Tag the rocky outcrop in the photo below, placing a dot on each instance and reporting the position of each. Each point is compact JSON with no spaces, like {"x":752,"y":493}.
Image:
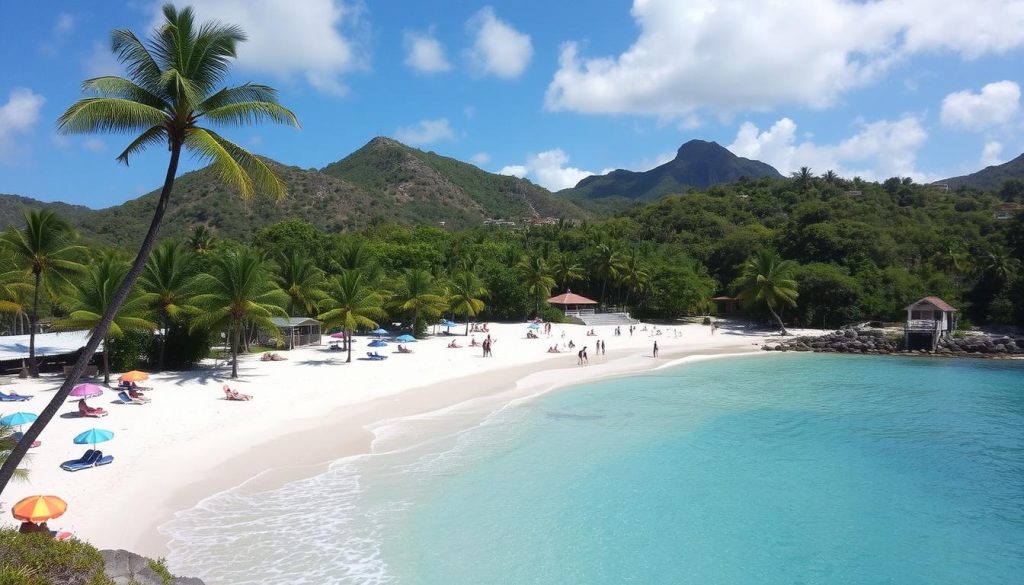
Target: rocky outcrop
{"x":877,"y":341}
{"x":127,"y":568}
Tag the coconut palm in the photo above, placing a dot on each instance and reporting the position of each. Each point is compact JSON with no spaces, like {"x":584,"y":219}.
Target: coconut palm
{"x":536,"y":275}
{"x":171,"y":88}
{"x":169,"y":278}
{"x":769,"y":279}
{"x":350,"y":304}
{"x":239,"y":289}
{"x":464,"y":295}
{"x":7,"y":445}
{"x":419,"y":295}
{"x":565,"y":269}
{"x":634,"y":275}
{"x":803,"y":178}
{"x":606,"y":265}
{"x":93,"y":295}
{"x":200,"y":239}
{"x":1000,"y":266}
{"x":15,"y":289}
{"x":42,"y":250}
{"x":299,"y":277}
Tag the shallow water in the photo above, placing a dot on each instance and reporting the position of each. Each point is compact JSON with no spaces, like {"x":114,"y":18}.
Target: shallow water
{"x":768,"y":469}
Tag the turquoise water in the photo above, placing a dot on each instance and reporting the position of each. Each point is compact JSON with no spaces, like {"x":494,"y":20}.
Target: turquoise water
{"x":771,"y":469}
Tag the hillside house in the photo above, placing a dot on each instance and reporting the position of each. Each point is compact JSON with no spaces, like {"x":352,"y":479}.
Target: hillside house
{"x":1006,"y":211}
{"x":928,"y":320}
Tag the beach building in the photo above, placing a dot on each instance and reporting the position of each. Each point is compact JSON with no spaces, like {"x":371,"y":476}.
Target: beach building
{"x":586,"y":310}
{"x":726,"y":305}
{"x":928,"y":320}
{"x":296,"y":331}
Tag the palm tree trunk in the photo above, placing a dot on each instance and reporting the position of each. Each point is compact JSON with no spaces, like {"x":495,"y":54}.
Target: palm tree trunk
{"x":163,"y":345}
{"x":604,"y":285}
{"x":33,"y":319}
{"x":106,"y":361}
{"x":467,"y":325}
{"x":348,"y":341}
{"x":779,"y":319}
{"x":57,"y":402}
{"x":236,"y":333}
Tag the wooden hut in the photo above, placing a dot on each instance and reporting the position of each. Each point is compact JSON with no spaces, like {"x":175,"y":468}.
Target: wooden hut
{"x":726,"y":305}
{"x":928,"y":320}
{"x":572,"y":304}
{"x":298,"y":331}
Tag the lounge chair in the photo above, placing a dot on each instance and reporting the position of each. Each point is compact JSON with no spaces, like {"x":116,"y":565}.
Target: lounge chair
{"x":86,"y":410}
{"x":17,"y":439}
{"x":123,"y":398}
{"x":230,"y":394}
{"x":85,"y":461}
{"x":12,"y":397}
{"x":375,"y":356}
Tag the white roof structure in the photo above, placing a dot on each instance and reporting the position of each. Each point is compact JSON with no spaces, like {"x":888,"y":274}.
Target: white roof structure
{"x":15,"y":347}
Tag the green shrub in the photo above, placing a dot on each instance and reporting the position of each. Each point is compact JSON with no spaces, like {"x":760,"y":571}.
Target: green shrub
{"x":185,"y":348}
{"x":35,"y":559}
{"x":126,"y":352}
{"x":549,"y":313}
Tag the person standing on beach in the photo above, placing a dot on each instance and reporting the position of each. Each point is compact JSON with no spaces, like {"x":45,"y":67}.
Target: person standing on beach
{"x":655,"y":349}
{"x":585,"y":360}
{"x":579,"y":358}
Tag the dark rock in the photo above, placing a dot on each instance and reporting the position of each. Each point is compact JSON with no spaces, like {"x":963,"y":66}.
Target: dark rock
{"x":127,"y":568}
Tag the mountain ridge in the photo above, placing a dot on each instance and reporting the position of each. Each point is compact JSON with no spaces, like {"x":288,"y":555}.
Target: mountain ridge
{"x":990,"y":178}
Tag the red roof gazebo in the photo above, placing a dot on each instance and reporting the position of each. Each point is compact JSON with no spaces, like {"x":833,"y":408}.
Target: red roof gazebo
{"x":570,"y":299}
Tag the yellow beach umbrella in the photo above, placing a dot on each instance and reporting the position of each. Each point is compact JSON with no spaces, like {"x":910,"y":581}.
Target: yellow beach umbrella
{"x":39,"y":508}
{"x":134,"y":376}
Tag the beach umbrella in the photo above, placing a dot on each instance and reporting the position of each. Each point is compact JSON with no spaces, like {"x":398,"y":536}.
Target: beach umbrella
{"x":406,"y":338}
{"x":17,"y":419}
{"x":93,"y":436}
{"x":377,"y":343}
{"x":39,"y":508}
{"x":533,"y":326}
{"x":379,"y":331}
{"x":134,"y":376}
{"x":86,"y":390}
{"x":338,"y":335}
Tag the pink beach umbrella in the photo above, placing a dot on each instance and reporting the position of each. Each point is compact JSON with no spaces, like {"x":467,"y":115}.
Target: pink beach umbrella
{"x":338,"y":335}
{"x":86,"y":391}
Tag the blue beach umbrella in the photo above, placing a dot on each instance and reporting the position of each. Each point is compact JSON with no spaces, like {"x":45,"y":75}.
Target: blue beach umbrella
{"x":379,"y":331}
{"x":533,"y":326}
{"x":406,"y":338}
{"x":17,"y":419}
{"x":377,"y":343}
{"x":93,"y":436}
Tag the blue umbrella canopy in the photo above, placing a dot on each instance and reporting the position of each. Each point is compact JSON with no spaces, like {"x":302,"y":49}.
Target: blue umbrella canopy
{"x":533,"y":326}
{"x":377,"y":343}
{"x":17,"y":419}
{"x":405,"y":338}
{"x":93,"y":436}
{"x":379,"y":331}
{"x":448,"y":324}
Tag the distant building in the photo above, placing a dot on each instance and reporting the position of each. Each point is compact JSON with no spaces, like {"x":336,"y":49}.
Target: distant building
{"x":1006,"y":211}
{"x":928,"y":320}
{"x":492,"y":222}
{"x":852,"y":193}
{"x":725,"y":305}
{"x":296,"y":331}
{"x":940,"y":187}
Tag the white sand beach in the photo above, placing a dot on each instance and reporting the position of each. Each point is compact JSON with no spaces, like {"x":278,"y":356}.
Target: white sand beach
{"x":307,"y":411}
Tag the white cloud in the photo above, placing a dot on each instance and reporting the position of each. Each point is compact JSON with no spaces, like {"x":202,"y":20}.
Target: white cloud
{"x":17,"y":117}
{"x":548,"y":169}
{"x":480,"y":158}
{"x":879,"y":150}
{"x":498,"y":49}
{"x":94,"y":145}
{"x":992,"y":154}
{"x":997,"y":103}
{"x":62,"y":28}
{"x":102,"y":62}
{"x":730,"y":55}
{"x":426,"y":132}
{"x":288,"y":39}
{"x":425,"y":53}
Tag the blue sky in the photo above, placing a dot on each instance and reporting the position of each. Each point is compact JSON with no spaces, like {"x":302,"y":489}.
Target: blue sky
{"x":552,"y":91}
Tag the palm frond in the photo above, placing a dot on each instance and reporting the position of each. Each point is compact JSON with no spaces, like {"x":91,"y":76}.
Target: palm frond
{"x":236,"y":166}
{"x":116,"y":115}
{"x":119,"y":87}
{"x":243,"y":113}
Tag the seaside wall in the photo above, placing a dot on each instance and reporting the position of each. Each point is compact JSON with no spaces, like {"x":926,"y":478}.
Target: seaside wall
{"x":877,"y":341}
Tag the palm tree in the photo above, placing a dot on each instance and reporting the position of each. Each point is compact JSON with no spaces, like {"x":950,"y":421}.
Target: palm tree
{"x":1000,"y":266}
{"x":239,"y":289}
{"x":7,"y":445}
{"x":304,"y":283}
{"x":565,"y":269}
{"x":92,"y":297}
{"x":769,"y":279}
{"x":15,"y":289}
{"x":607,"y":264}
{"x":536,"y":276}
{"x":169,"y":278}
{"x":171,"y":88}
{"x":830,"y":177}
{"x":42,"y":249}
{"x":634,"y":275}
{"x":465,"y":292}
{"x":200,"y":240}
{"x":351,"y":304}
{"x":354,"y":255}
{"x":419,"y":295}
{"x":803,"y":178}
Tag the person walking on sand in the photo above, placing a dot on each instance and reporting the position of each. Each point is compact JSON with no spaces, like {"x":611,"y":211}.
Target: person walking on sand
{"x":655,"y":349}
{"x":585,"y":360}
{"x":579,"y":358}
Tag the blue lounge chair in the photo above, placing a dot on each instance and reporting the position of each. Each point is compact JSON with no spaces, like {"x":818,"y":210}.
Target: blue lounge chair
{"x":85,"y":461}
{"x":375,"y":356}
{"x":103,"y":459}
{"x":12,"y":397}
{"x":123,"y":398}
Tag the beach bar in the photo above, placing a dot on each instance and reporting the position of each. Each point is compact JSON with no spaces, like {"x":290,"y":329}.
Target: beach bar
{"x":298,"y":331}
{"x":571,"y":303}
{"x":928,"y":320}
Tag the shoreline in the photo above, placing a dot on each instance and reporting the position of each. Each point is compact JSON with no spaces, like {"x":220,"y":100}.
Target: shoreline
{"x":189,"y":443}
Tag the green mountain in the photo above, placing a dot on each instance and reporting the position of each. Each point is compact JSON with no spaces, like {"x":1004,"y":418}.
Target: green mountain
{"x":383,"y":181}
{"x":989,"y":178}
{"x":698,"y":164}
{"x":436,"y":188}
